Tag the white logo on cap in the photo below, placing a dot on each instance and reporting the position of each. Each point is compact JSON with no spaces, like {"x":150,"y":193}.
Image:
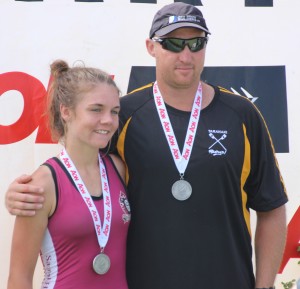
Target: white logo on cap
{"x":188,"y":18}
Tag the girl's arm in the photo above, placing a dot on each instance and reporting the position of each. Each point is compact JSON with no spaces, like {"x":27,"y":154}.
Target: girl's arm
{"x":28,"y":234}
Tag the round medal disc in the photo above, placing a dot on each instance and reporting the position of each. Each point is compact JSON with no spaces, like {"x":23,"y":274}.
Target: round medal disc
{"x":181,"y":190}
{"x":101,"y":264}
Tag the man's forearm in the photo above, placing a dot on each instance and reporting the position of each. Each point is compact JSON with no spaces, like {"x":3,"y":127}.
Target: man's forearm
{"x":270,"y":240}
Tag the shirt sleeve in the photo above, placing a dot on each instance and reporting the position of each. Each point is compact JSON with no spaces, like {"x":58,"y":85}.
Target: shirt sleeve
{"x":265,"y":187}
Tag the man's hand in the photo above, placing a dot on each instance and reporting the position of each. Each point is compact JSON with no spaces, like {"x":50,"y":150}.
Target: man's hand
{"x":23,"y":199}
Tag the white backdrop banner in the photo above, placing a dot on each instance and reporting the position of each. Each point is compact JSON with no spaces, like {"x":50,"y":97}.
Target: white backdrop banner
{"x":253,"y":50}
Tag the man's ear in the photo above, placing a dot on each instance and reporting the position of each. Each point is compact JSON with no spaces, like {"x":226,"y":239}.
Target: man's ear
{"x":150,"y":47}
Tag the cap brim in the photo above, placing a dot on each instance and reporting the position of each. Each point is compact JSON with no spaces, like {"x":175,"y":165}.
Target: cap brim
{"x":172,"y":27}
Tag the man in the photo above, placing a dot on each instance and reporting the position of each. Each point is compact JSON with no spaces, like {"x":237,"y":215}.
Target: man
{"x":198,"y":158}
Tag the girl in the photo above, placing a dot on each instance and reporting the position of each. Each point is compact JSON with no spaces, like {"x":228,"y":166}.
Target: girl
{"x":81,"y":230}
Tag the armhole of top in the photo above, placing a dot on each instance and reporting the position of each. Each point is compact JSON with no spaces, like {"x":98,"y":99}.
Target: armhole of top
{"x":53,"y":173}
{"x":109,"y":159}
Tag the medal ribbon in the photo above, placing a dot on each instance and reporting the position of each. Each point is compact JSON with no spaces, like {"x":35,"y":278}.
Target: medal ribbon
{"x":102,"y":232}
{"x":181,"y":160}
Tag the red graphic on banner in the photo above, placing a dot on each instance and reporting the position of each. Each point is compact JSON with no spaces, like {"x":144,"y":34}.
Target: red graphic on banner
{"x":33,"y":115}
{"x":293,"y":240}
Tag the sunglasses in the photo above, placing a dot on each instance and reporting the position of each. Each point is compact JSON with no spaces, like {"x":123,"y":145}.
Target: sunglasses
{"x":178,"y":44}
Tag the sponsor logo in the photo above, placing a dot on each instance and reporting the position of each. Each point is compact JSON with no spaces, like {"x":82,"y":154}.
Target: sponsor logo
{"x":124,"y":204}
{"x":246,"y":93}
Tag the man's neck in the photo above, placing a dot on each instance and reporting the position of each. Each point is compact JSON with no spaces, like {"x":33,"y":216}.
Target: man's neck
{"x":182,"y":99}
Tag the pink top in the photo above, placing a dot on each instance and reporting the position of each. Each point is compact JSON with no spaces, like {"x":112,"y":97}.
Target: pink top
{"x":70,"y":243}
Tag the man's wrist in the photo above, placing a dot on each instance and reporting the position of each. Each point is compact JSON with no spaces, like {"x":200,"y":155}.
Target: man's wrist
{"x":265,"y":287}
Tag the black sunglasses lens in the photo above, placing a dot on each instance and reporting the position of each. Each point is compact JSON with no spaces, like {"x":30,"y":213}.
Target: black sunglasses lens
{"x":196,"y":44}
{"x":173,"y":44}
{"x":177,"y":44}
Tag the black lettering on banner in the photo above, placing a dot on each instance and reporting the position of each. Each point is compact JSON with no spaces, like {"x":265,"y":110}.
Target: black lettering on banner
{"x":259,"y":3}
{"x":248,"y":3}
{"x":263,"y":85}
{"x":192,"y":2}
{"x":144,"y":1}
{"x":88,"y":0}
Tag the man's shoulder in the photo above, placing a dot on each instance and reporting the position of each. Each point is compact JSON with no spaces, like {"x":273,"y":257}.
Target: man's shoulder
{"x":141,"y":92}
{"x":233,"y":99}
{"x":136,"y":99}
{"x":240,"y":104}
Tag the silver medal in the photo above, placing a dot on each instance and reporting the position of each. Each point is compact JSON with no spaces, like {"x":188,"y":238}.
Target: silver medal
{"x":101,"y":264}
{"x":181,"y":190}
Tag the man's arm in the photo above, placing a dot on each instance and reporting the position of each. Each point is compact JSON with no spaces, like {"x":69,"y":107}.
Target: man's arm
{"x":23,"y":199}
{"x":270,"y":240}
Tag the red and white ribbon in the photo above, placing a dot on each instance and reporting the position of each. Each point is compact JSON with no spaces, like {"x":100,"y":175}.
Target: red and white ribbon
{"x":102,"y":232}
{"x":181,"y":159}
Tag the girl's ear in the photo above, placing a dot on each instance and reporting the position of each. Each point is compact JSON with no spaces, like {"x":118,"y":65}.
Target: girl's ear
{"x":65,"y":113}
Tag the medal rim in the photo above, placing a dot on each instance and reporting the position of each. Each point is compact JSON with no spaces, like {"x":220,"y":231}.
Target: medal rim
{"x":107,"y":261}
{"x":187,"y":195}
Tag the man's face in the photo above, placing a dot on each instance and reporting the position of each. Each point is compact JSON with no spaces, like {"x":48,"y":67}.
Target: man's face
{"x":178,"y":69}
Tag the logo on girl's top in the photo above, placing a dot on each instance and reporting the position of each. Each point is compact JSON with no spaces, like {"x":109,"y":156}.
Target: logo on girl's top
{"x":124,"y":204}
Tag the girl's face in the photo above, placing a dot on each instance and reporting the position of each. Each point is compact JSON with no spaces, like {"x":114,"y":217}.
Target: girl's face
{"x":95,"y":117}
